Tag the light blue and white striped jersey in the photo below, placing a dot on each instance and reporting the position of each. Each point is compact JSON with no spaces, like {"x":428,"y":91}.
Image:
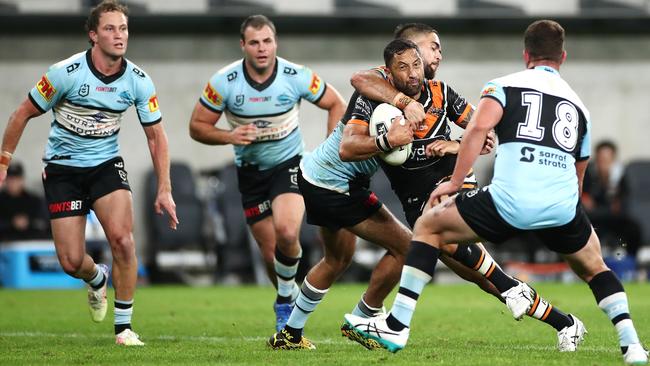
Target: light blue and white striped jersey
{"x":271,"y":106}
{"x":88,"y":108}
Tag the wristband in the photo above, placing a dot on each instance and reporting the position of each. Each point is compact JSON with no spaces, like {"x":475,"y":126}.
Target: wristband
{"x":382,"y":143}
{"x":5,"y":158}
{"x":401,"y":100}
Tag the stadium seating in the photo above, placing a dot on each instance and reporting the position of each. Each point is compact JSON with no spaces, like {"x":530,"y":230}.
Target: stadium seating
{"x":636,"y":195}
{"x":178,"y":255}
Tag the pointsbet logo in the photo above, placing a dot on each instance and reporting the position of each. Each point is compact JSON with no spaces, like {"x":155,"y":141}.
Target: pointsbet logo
{"x":65,"y":206}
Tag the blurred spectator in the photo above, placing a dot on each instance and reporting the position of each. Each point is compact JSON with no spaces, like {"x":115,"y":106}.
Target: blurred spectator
{"x":23,"y":215}
{"x":601,"y":198}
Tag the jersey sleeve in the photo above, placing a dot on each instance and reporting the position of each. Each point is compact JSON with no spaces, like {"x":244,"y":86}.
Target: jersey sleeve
{"x":146,"y":101}
{"x":361,"y":112}
{"x":457,"y":106}
{"x":51,"y":87}
{"x":309,"y":85}
{"x":495,"y":91}
{"x":585,"y":147}
{"x":215,"y":93}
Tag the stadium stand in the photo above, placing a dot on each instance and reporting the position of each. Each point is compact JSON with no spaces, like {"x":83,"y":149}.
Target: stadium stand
{"x":180,"y":255}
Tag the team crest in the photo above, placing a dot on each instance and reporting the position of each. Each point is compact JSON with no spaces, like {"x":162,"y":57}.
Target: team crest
{"x":239,"y":100}
{"x":84,"y":89}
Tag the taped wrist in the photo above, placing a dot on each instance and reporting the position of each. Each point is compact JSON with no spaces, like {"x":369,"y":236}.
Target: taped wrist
{"x":382,"y":143}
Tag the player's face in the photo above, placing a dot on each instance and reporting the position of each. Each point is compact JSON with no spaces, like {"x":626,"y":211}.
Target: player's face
{"x":407,"y":72}
{"x":431,"y":51}
{"x":112,"y":34}
{"x":259,"y":47}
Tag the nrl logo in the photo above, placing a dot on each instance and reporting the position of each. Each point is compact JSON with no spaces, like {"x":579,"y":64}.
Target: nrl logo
{"x":84,"y":89}
{"x":239,"y":100}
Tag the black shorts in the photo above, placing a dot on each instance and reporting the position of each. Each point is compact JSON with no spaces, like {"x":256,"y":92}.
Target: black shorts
{"x":335,"y":210}
{"x":414,"y":204}
{"x":260,"y":187}
{"x":477,"y":208}
{"x":71,"y":191}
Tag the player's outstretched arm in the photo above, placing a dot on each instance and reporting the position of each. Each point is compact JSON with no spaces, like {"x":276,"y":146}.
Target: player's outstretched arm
{"x":487,"y":116}
{"x":333,"y":102}
{"x":15,"y":127}
{"x":372,"y":85}
{"x":159,"y":148}
{"x":203,"y":129}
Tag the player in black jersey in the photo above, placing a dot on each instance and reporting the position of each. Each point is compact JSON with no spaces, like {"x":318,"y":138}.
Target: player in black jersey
{"x":432,"y":162}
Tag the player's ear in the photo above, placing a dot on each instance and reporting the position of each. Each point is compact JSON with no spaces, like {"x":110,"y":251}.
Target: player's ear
{"x":241,"y":44}
{"x":93,"y":36}
{"x":563,"y":57}
{"x":526,"y":57}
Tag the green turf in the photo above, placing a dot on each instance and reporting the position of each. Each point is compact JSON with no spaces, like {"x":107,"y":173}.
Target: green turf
{"x":453,"y":325}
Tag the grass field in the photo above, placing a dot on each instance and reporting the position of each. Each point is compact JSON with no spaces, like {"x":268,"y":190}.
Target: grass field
{"x":454,"y":325}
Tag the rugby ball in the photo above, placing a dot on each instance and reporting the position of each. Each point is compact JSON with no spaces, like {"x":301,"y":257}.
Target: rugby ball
{"x":380,"y":121}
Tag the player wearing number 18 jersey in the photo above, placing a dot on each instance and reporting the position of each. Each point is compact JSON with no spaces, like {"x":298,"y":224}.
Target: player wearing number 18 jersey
{"x":544,"y":134}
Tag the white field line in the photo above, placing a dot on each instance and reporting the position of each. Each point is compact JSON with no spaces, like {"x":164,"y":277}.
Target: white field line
{"x":210,"y":339}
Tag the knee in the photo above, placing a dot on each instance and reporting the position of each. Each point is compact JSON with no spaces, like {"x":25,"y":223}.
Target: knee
{"x":286,"y":234}
{"x":340,"y":263}
{"x":123,"y":246}
{"x":71,"y":265}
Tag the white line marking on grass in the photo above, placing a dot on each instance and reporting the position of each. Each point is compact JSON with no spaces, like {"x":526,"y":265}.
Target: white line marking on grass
{"x":161,"y":337}
{"x":337,"y":341}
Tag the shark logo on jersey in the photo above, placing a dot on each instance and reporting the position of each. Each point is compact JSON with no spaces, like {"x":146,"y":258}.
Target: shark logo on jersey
{"x":527,"y":154}
{"x":125,"y":98}
{"x":99,"y":116}
{"x":84,"y":89}
{"x":239,"y":100}
{"x":260,"y":123}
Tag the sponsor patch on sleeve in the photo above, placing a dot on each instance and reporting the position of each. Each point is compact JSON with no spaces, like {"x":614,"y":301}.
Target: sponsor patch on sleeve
{"x":45,"y":88}
{"x":315,"y":84}
{"x":153,"y":103}
{"x":211,"y":95}
{"x":489,"y":90}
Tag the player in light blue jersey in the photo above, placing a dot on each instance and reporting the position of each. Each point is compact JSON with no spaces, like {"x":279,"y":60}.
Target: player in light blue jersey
{"x":260,"y":96}
{"x":88,"y":94}
{"x":544,"y":133}
{"x":334,"y":182}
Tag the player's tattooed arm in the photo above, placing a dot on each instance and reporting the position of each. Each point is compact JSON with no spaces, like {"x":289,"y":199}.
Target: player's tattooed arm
{"x":465,"y":121}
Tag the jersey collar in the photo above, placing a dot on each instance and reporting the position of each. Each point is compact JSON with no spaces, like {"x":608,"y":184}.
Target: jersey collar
{"x":547,"y":68}
{"x":260,"y":86}
{"x":106,"y":79}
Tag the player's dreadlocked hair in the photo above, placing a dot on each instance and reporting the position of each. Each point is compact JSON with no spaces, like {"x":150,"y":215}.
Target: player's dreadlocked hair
{"x":105,"y":6}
